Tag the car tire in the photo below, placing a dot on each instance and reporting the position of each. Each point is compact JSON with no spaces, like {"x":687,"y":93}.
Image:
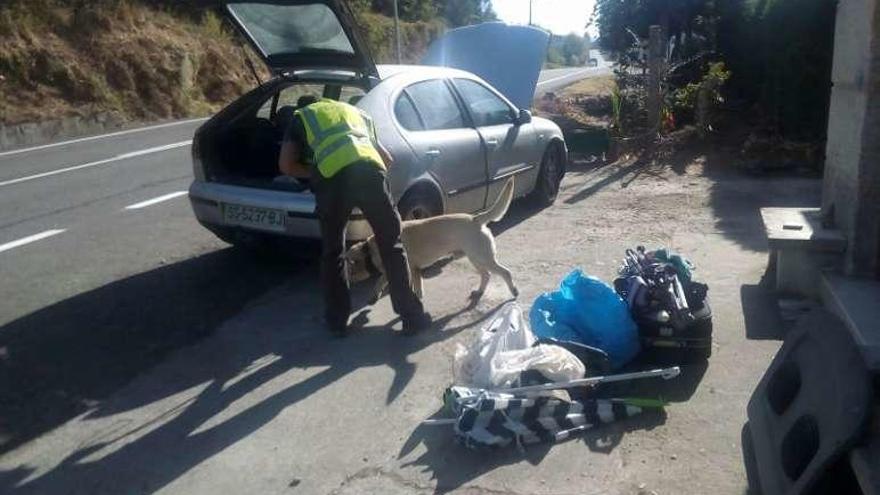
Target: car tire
{"x":417,"y":205}
{"x":549,"y":176}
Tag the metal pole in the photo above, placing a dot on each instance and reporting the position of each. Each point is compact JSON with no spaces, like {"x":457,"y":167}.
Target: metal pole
{"x":530,"y":12}
{"x":396,"y":32}
{"x":665,"y":373}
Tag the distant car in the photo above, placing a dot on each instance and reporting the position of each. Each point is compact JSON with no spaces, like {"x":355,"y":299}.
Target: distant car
{"x":593,"y":63}
{"x":454,"y":138}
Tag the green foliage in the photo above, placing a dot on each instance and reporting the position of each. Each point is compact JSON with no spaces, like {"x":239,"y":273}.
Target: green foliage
{"x":779,"y":51}
{"x":569,"y":50}
{"x":415,"y":37}
{"x":685,"y":98}
{"x":455,"y":12}
{"x":575,"y":49}
{"x":616,"y":107}
{"x":466,"y":12}
{"x":697,"y":101}
{"x":555,"y":56}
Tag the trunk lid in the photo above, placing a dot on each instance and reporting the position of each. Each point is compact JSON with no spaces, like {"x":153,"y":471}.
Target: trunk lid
{"x":302,"y":34}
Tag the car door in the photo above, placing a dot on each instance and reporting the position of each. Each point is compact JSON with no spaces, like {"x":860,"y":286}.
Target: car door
{"x":446,"y":145}
{"x":512,"y":148}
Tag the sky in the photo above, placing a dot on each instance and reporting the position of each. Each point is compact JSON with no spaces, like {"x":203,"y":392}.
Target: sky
{"x":559,"y":16}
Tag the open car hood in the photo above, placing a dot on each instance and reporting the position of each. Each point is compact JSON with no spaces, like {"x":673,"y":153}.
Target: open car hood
{"x":302,"y":34}
{"x":507,"y":57}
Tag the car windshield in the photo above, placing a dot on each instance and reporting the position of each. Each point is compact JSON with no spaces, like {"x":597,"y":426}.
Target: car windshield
{"x":292,"y":29}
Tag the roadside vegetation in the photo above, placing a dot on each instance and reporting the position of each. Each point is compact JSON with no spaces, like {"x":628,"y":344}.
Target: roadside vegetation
{"x":145,"y":60}
{"x":728,"y":70}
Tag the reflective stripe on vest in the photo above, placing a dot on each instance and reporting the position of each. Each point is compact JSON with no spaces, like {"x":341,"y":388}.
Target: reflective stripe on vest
{"x":339,"y":135}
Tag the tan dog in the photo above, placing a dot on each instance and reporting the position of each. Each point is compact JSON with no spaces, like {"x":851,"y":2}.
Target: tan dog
{"x":433,"y":239}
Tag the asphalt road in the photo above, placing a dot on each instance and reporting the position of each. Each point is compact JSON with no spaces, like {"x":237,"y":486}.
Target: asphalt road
{"x":100,"y":255}
{"x":79,"y":214}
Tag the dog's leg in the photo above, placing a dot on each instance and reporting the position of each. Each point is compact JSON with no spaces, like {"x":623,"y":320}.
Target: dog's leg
{"x":415,"y":279}
{"x":380,"y":290}
{"x":484,"y":281}
{"x":505,"y":274}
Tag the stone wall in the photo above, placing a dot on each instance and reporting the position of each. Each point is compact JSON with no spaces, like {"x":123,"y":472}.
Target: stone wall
{"x":852,"y":170}
{"x":30,"y":134}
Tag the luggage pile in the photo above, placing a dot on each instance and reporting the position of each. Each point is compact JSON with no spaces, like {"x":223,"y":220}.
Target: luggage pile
{"x":670,"y":308}
{"x":512,"y":387}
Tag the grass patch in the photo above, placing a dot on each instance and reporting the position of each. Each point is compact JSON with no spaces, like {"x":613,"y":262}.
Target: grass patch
{"x":591,"y":86}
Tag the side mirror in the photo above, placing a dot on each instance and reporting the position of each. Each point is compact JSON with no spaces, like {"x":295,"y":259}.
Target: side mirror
{"x":524,"y":117}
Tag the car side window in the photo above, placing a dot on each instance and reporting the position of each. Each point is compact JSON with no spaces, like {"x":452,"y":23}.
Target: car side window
{"x":406,"y":113}
{"x":436,"y":105}
{"x":485,"y":106}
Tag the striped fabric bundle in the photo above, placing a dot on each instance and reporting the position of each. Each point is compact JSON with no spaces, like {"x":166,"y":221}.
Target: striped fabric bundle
{"x":492,"y":419}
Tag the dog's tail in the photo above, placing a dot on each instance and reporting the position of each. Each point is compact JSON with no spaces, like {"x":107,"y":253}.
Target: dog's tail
{"x":497,"y":211}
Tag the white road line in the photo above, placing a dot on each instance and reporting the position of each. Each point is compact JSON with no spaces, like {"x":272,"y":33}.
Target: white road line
{"x":102,"y":136}
{"x":29,"y":239}
{"x":563,"y":77}
{"x":150,"y":202}
{"x":123,"y":156}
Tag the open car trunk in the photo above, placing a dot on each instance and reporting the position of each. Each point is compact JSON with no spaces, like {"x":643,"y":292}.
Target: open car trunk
{"x":241,"y":146}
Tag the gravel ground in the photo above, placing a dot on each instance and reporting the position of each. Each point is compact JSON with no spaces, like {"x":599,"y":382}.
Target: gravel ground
{"x":270,"y":404}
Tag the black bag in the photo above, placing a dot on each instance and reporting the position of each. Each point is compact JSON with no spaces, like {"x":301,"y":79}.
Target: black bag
{"x":665,"y":343}
{"x":668,"y":336}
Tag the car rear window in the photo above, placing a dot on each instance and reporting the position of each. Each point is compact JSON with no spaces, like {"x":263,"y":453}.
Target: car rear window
{"x":436,"y":105}
{"x":406,"y":113}
{"x":292,"y":29}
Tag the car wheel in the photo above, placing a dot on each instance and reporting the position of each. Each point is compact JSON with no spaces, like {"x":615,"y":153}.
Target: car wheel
{"x":417,"y":205}
{"x":552,"y":168}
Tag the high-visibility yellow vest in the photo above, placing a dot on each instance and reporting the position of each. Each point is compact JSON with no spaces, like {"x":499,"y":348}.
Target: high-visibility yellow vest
{"x":339,"y":135}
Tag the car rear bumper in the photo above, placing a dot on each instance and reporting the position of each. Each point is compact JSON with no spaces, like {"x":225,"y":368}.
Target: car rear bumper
{"x":300,"y":220}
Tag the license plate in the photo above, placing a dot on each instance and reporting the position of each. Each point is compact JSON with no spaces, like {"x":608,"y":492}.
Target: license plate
{"x":255,"y":217}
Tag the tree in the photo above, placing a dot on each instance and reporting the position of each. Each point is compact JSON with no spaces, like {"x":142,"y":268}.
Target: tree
{"x":408,"y":10}
{"x":466,"y":12}
{"x":574,"y":49}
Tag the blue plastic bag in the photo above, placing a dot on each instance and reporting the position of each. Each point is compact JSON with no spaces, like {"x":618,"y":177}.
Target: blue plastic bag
{"x":587,"y":310}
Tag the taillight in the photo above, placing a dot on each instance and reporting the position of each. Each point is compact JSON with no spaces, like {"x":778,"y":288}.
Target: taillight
{"x":198,"y":167}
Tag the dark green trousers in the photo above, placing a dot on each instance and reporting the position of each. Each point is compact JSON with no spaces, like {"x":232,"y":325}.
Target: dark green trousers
{"x":360,"y":185}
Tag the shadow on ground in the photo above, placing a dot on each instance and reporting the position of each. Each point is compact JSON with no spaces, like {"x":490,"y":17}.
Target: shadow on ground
{"x":761,"y":313}
{"x":181,"y":443}
{"x":64,"y":359}
{"x":453,"y":466}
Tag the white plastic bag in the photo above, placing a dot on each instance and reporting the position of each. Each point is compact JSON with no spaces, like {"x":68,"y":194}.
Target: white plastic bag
{"x":554,"y":362}
{"x":508,"y":330}
{"x":504,"y":349}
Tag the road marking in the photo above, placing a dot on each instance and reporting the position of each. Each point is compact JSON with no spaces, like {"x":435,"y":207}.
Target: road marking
{"x":29,"y":239}
{"x":150,"y":202}
{"x":123,"y":156}
{"x":563,"y":77}
{"x":102,"y":136}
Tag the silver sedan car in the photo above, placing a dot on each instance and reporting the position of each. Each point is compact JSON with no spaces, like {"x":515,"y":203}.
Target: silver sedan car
{"x":455,"y":139}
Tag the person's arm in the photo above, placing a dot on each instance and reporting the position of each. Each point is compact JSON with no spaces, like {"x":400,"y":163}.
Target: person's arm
{"x":383,"y":152}
{"x":289,"y":160}
{"x":386,"y":156}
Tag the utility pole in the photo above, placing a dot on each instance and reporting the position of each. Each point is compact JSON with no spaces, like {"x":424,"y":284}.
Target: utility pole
{"x":396,"y":32}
